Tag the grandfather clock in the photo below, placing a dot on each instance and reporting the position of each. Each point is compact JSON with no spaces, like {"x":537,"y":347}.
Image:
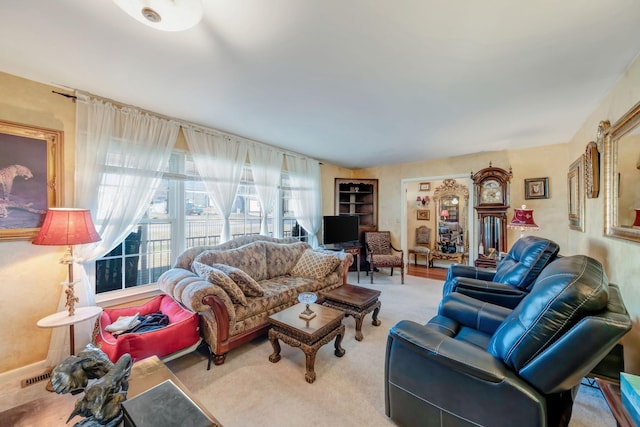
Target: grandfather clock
{"x":491,"y":187}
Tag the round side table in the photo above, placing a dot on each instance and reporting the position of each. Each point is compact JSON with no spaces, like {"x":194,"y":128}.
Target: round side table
{"x":62,"y":318}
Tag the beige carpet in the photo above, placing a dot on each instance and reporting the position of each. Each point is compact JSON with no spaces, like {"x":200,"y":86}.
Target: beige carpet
{"x":248,"y":390}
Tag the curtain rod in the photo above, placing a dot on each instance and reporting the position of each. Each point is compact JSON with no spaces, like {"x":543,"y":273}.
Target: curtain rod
{"x":182,"y":123}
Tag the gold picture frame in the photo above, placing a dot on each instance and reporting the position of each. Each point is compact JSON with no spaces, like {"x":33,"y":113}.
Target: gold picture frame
{"x":31,"y":162}
{"x":592,"y":170}
{"x":575,"y":194}
{"x":423,"y":215}
{"x":424,"y":186}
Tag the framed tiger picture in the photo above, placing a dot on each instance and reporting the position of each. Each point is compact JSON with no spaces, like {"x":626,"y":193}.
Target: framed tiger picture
{"x":30,"y":177}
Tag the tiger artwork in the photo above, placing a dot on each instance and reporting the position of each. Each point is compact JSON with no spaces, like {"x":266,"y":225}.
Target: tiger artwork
{"x":9,"y":174}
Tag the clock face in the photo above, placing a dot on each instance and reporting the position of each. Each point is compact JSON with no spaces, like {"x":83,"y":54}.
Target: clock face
{"x":491,"y":192}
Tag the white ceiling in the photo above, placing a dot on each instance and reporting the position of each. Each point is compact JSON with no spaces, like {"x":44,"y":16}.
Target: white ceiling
{"x":356,"y":83}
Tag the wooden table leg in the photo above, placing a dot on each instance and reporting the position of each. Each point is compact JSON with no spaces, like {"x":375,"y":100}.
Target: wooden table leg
{"x":275,"y":357}
{"x":310,"y":358}
{"x":339,"y":350}
{"x":374,"y":319}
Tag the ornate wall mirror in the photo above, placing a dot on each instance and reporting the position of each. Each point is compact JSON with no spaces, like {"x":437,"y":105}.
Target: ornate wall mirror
{"x":622,"y":175}
{"x":451,"y":203}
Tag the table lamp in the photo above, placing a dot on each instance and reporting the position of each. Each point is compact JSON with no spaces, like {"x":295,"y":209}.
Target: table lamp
{"x":444,"y":214}
{"x":67,"y":226}
{"x":636,"y":222}
{"x":523,"y":219}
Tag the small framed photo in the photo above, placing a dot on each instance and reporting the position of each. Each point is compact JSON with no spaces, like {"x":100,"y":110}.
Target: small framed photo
{"x":423,"y":214}
{"x":425,"y":186}
{"x":536,"y":188}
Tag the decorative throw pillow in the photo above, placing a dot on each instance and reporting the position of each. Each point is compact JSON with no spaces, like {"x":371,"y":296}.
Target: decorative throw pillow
{"x":250,"y":287}
{"x":250,"y":258}
{"x":282,"y":257}
{"x":315,"y":265}
{"x":219,"y":278}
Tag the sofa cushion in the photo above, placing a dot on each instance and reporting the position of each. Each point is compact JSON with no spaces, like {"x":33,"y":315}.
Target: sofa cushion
{"x":249,"y":287}
{"x":315,"y":264}
{"x":568,"y":289}
{"x":282,"y":257}
{"x":279,"y":293}
{"x":219,"y":278}
{"x":251,"y":258}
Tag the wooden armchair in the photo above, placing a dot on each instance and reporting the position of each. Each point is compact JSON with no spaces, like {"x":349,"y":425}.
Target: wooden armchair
{"x":380,"y":252}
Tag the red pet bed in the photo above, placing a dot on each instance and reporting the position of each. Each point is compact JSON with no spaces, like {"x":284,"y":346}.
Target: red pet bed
{"x":182,"y":332}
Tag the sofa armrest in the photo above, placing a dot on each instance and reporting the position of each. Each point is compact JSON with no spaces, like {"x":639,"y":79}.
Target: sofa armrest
{"x":491,"y":292}
{"x":191,"y":291}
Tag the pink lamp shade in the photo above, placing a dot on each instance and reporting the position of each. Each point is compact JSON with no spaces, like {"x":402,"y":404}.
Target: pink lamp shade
{"x":67,"y":226}
{"x":636,"y":222}
{"x":444,"y":214}
{"x":523,"y":218}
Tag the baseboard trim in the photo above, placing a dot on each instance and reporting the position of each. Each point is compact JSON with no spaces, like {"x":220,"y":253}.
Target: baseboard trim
{"x":15,"y":376}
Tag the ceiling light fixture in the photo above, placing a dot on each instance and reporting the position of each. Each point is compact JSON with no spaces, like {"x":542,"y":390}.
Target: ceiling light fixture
{"x":165,"y":15}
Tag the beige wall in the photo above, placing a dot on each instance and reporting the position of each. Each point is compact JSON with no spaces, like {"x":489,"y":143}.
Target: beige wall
{"x":619,"y":257}
{"x":548,"y":161}
{"x":30,"y":274}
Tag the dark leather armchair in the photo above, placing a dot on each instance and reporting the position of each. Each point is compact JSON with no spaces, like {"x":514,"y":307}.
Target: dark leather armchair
{"x":513,"y":278}
{"x":481,"y":364}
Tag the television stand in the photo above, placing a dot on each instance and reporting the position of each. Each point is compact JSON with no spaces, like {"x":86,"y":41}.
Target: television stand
{"x":352,"y":248}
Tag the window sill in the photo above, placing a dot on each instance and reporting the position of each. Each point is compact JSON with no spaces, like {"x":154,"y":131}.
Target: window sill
{"x":137,"y":293}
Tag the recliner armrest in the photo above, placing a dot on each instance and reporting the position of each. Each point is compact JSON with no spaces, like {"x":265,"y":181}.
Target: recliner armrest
{"x":492,"y":292}
{"x":461,"y":270}
{"x":457,"y":355}
{"x":474,"y":313}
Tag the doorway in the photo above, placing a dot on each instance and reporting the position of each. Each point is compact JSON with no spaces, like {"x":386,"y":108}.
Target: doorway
{"x":419,"y":209}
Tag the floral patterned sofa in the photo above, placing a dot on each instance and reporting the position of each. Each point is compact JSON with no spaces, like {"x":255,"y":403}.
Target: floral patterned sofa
{"x":237,"y":285}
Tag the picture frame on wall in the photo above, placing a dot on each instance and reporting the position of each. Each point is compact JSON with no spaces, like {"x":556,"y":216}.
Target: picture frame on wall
{"x":592,"y":170}
{"x":425,"y":186}
{"x":536,"y":188}
{"x":31,"y":168}
{"x":423,"y":214}
{"x":575,"y":194}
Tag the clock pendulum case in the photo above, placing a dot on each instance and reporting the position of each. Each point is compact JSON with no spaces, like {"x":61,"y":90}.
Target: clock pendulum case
{"x":491,"y":187}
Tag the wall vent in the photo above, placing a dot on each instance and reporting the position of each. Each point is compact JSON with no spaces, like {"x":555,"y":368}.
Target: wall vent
{"x":36,"y":379}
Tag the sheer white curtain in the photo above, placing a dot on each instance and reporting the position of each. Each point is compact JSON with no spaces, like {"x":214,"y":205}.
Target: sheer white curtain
{"x":266,"y":168}
{"x":121,"y":154}
{"x":219,"y":160}
{"x":304,"y":175}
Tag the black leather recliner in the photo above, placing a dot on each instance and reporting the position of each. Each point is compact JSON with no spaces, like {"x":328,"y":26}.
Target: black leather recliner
{"x":513,"y":277}
{"x":477,"y":363}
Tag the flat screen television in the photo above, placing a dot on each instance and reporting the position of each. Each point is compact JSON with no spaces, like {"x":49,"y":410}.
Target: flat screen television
{"x":340,"y":229}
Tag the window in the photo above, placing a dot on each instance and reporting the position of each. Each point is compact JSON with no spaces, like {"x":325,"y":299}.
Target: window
{"x":180,"y":216}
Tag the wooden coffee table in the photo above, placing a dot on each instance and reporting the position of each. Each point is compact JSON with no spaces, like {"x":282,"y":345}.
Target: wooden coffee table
{"x":355,"y":301}
{"x":309,"y":335}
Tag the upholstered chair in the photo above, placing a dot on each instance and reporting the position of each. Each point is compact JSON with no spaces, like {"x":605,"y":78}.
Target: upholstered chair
{"x":512,"y":279}
{"x":421,"y":248}
{"x":380,"y":253}
{"x":479,"y":364}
